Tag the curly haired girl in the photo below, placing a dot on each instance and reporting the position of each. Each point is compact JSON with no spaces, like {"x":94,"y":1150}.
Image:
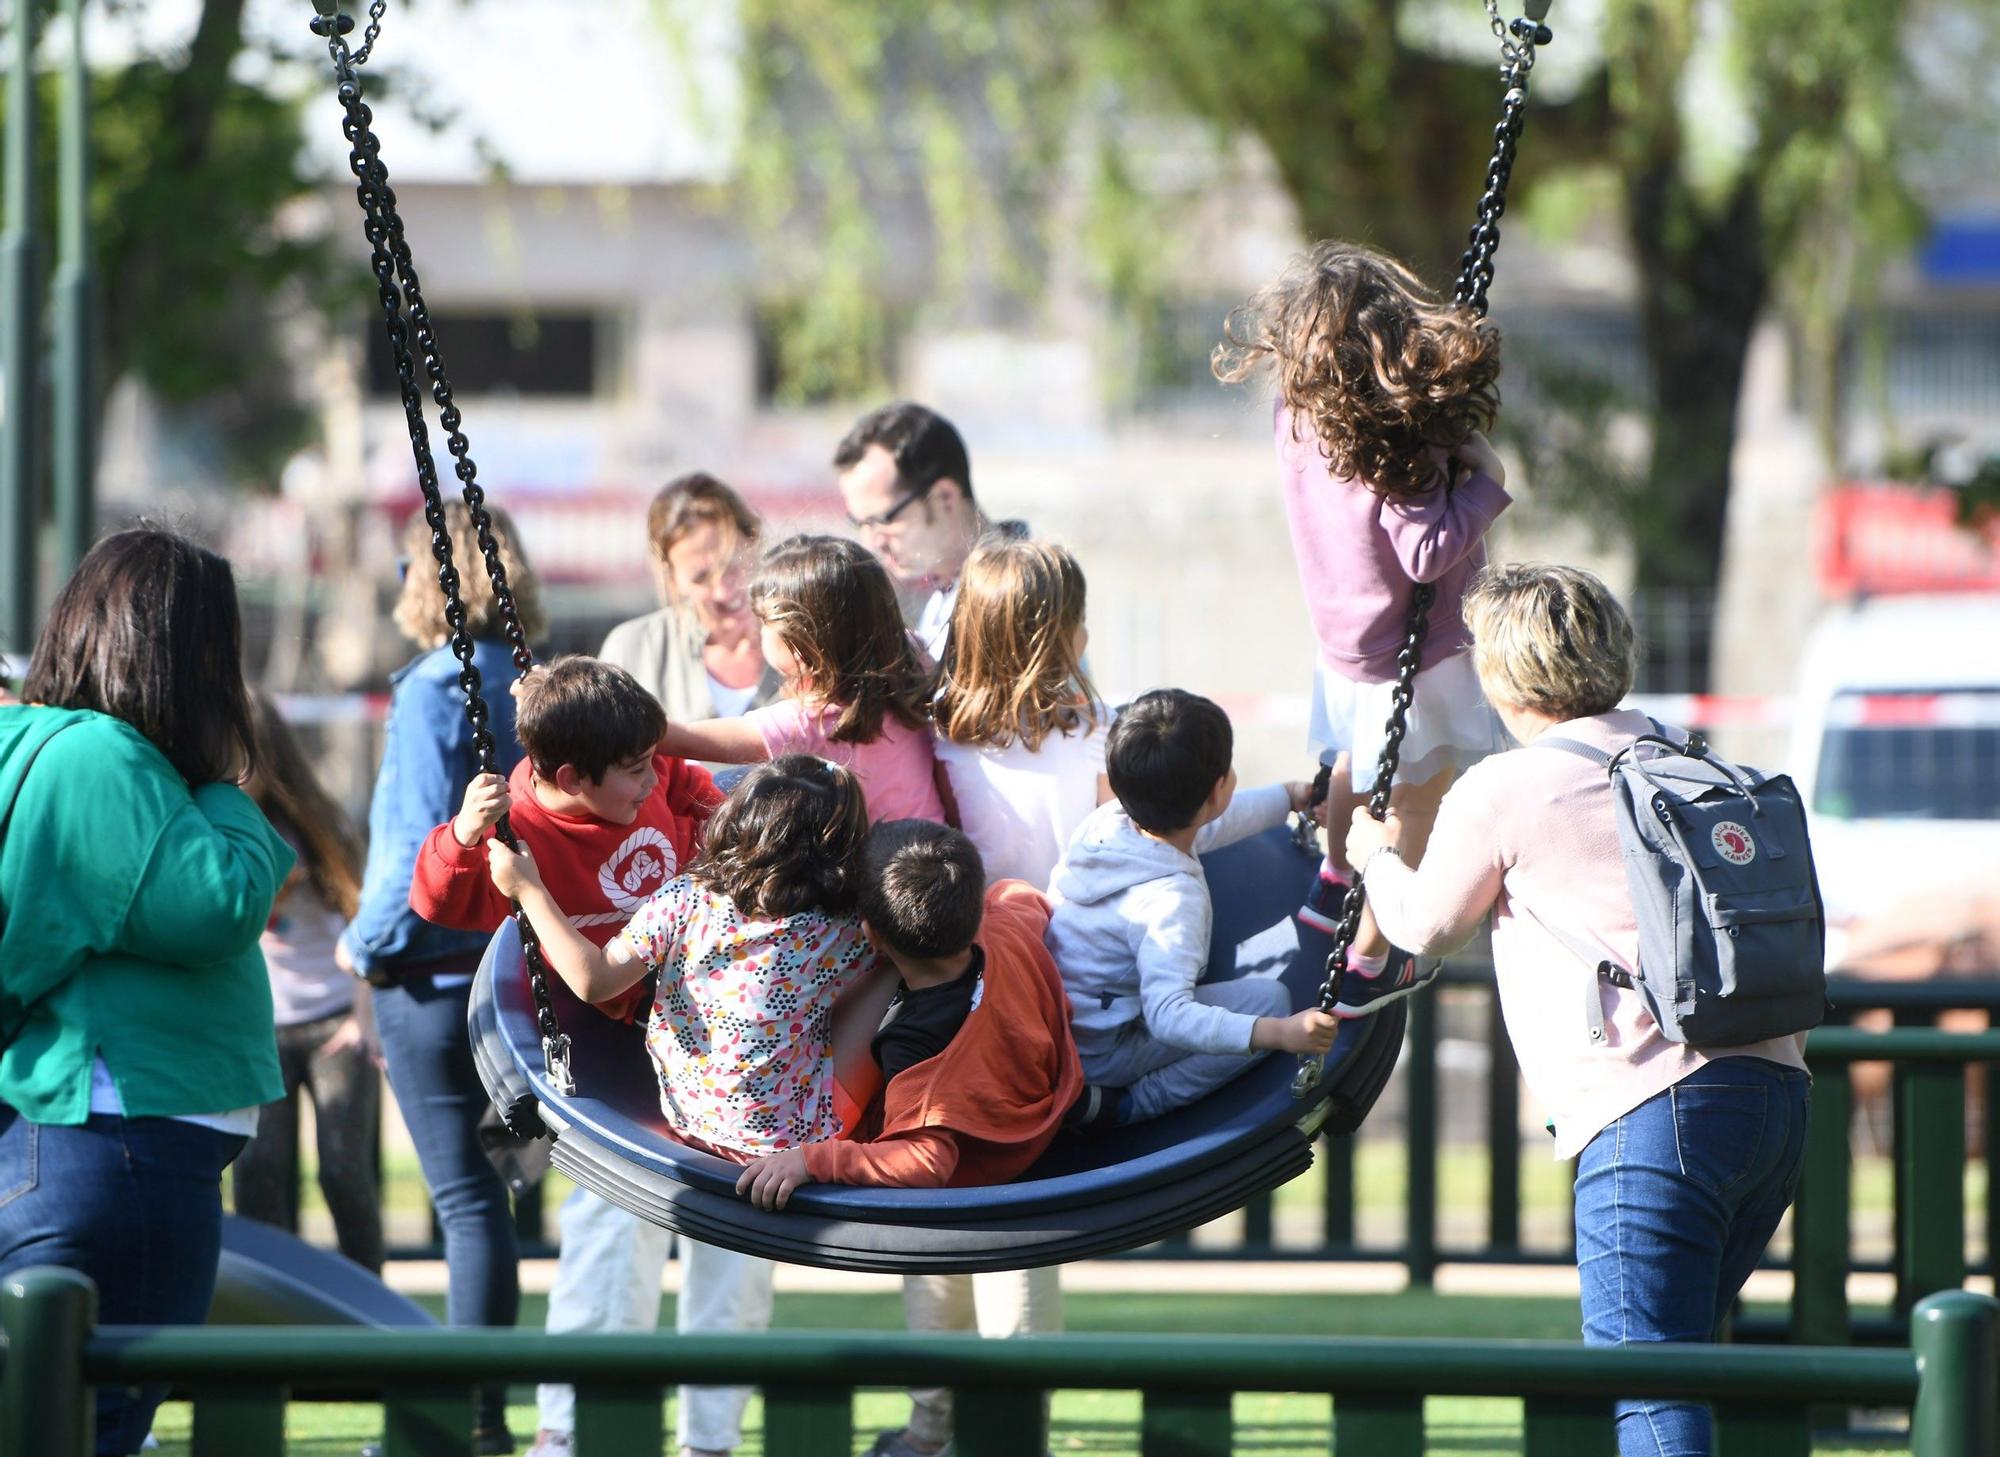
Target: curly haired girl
{"x":752,"y":945}
{"x":1383,"y":392}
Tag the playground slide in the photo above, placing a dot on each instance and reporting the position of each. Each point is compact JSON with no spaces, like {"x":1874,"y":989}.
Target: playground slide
{"x":268,"y":1277}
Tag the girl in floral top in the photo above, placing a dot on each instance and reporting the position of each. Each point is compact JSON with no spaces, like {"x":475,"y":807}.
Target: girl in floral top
{"x":752,"y":945}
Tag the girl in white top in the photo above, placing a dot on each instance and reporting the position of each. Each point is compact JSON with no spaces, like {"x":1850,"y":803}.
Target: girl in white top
{"x":1020,"y":734}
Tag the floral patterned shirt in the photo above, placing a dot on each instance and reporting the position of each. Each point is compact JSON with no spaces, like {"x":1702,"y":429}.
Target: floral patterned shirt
{"x":739,"y":1030}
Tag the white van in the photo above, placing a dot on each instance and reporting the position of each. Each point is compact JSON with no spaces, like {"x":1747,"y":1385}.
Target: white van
{"x":1896,"y":749}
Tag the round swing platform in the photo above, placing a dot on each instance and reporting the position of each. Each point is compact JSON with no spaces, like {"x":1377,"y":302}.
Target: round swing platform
{"x":1084,"y":1198}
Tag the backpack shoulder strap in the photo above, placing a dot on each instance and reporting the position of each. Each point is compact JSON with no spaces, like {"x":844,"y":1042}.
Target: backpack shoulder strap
{"x":1570,"y":746}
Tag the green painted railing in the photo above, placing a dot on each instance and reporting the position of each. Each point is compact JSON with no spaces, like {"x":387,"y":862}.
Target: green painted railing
{"x":240,"y":1381}
{"x":1930,"y":1150}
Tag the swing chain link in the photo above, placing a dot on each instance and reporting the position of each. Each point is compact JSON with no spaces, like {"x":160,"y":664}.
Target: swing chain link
{"x":398,"y":289}
{"x":333,"y":20}
{"x":372,"y":34}
{"x":1518,"y":43}
{"x":1408,"y":657}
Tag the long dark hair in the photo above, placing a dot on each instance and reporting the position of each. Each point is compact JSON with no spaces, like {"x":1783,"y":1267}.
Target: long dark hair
{"x":292,"y":798}
{"x":147,"y":630}
{"x":788,"y":839}
{"x":832,"y":602}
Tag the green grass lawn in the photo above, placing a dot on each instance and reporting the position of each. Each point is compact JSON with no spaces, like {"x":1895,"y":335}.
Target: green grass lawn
{"x":1102,"y":1423}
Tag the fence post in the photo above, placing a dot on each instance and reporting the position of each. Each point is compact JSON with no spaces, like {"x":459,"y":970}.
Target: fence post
{"x":1930,"y":1160}
{"x":1503,"y":1132}
{"x":45,"y":1407}
{"x":1336,"y":1156}
{"x":1422,"y":1137}
{"x":1956,"y":1337}
{"x":1820,"y":1257}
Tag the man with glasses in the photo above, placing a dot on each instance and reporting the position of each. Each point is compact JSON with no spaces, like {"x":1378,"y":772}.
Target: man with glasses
{"x":907,"y":485}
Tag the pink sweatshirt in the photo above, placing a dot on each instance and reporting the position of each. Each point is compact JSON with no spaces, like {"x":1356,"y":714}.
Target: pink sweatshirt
{"x":1533,"y":836}
{"x":1361,"y":556}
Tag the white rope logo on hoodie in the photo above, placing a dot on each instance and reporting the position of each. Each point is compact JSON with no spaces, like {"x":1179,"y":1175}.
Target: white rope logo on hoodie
{"x":643,"y":862}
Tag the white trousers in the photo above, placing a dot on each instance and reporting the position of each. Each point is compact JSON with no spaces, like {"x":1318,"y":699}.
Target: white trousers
{"x":998,"y":1304}
{"x":721,"y":1290}
{"x":607,"y":1279}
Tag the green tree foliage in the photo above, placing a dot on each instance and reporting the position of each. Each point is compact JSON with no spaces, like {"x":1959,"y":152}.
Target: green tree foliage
{"x":194,"y":171}
{"x":1756,"y":151}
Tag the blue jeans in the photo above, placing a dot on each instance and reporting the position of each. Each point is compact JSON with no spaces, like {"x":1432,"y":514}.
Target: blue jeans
{"x":135,"y":1204}
{"x":1674,"y":1205}
{"x":438,"y":1090}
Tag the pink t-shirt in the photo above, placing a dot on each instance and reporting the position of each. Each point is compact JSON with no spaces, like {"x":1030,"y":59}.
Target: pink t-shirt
{"x":739,"y":1030}
{"x":897,"y":769}
{"x":1361,"y":556}
{"x":1532,"y":836}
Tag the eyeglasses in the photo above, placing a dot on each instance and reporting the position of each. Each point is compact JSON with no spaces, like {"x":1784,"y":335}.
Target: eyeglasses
{"x":883,"y":518}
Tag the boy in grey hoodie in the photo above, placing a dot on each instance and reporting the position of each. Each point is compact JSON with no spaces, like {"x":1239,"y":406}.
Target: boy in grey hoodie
{"x":1131,"y":924}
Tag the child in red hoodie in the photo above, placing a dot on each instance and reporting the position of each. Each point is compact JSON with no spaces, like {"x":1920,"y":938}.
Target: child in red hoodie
{"x":609,"y":820}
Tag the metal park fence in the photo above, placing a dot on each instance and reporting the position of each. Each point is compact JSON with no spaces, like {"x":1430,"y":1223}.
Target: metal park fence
{"x":241,"y":1380}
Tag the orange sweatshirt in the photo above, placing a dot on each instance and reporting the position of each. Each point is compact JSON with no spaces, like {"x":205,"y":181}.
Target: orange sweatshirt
{"x":987,"y":1106}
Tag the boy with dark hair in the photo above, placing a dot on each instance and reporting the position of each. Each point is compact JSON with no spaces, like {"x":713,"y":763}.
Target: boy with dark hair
{"x":1131,"y":923}
{"x":609,"y":820}
{"x":980,"y":1070}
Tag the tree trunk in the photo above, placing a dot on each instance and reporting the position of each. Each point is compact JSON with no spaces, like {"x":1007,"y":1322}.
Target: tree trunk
{"x":1703,"y":283}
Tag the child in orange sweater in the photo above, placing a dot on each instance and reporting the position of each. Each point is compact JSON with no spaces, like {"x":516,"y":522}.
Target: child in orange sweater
{"x":980,"y":1070}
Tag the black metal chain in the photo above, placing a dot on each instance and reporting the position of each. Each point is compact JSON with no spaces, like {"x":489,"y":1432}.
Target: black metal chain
{"x":1475,"y":276}
{"x":399,"y":291}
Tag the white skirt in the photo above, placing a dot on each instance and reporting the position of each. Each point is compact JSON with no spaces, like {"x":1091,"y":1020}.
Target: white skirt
{"x":1450,"y":725}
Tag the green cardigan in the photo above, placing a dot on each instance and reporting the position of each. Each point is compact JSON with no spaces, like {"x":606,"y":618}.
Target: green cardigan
{"x":130,"y":911}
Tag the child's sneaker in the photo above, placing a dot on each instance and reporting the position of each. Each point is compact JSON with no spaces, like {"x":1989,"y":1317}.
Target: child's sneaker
{"x":551,"y":1443}
{"x":900,"y":1444}
{"x":1361,"y":996}
{"x":1325,"y":903}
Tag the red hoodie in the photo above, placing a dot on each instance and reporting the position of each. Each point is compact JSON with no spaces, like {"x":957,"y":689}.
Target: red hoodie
{"x":598,"y":872}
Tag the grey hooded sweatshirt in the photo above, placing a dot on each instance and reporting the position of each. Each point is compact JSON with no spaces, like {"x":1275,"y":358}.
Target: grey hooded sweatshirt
{"x":1131,"y":927}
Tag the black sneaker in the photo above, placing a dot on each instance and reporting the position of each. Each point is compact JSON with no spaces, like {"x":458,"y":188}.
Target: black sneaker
{"x":1324,"y":904}
{"x":1361,"y":996}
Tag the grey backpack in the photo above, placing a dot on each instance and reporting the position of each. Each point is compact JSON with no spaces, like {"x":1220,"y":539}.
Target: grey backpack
{"x":1732,"y":936}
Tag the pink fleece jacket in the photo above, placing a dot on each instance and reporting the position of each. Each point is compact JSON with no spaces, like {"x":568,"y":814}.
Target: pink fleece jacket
{"x":1361,"y":555}
{"x":1532,"y":835}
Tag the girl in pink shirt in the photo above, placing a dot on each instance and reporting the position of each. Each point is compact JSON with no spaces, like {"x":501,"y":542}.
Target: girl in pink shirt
{"x":1383,"y":392}
{"x":853,"y":685}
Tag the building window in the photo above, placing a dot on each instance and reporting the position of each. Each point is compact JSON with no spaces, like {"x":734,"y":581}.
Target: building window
{"x":525,"y":353}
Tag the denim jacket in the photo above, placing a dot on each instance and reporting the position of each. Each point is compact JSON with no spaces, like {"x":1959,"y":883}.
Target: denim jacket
{"x":427,"y":761}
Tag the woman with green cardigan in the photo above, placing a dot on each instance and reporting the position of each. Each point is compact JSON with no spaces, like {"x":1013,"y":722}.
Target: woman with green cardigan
{"x":135,"y":879}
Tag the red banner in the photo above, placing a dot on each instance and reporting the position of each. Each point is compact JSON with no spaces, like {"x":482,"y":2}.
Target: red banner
{"x":1889,"y":538}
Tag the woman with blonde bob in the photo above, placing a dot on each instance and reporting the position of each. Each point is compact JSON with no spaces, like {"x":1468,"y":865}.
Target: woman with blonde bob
{"x":1686,"y":1158}
{"x":1020,"y":734}
{"x":423,"y":973}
